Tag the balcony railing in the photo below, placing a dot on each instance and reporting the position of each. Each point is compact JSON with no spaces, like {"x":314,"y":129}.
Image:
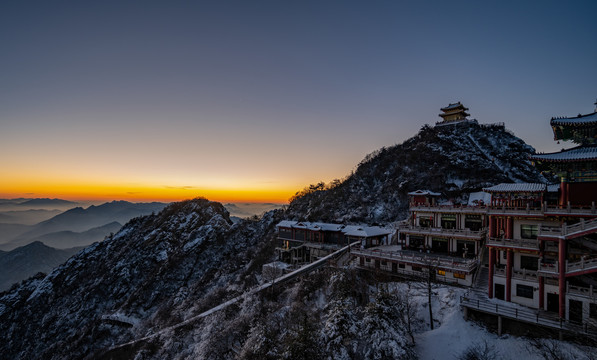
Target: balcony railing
{"x":450,"y":209}
{"x":522,"y":274}
{"x":581,"y":265}
{"x":514,"y":243}
{"x":556,"y":231}
{"x":549,"y":267}
{"x":527,"y":315}
{"x":542,"y":210}
{"x":589,"y":292}
{"x":421,"y":259}
{"x":442,"y":232}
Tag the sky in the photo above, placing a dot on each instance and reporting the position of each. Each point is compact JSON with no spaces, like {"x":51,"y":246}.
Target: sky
{"x":254,"y":100}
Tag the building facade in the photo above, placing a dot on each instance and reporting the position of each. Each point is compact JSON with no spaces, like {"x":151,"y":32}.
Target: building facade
{"x":305,"y":242}
{"x":542,"y":239}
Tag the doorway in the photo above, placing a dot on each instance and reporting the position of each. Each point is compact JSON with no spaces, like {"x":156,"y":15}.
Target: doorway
{"x":553,"y":302}
{"x":500,"y":290}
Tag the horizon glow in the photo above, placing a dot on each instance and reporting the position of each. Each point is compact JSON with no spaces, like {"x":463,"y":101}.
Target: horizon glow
{"x":253,"y":101}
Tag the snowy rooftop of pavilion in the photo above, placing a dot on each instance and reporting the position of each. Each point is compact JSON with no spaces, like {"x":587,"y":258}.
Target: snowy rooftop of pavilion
{"x":517,"y":187}
{"x":578,"y":120}
{"x":423,"y":193}
{"x":577,"y":153}
{"x":348,"y":230}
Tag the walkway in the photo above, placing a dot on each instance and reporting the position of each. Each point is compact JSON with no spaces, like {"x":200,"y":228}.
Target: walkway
{"x":283,"y":279}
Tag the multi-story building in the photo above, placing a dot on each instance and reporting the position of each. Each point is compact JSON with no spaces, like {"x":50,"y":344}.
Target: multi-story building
{"x":443,"y":242}
{"x":305,"y":242}
{"x":542,"y":239}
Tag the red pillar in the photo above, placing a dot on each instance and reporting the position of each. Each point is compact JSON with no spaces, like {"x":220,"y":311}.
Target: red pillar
{"x":541,"y":291}
{"x":491,"y":227}
{"x":562,"y":279}
{"x":508,"y":275}
{"x":563,"y":193}
{"x":509,"y":230}
{"x":491,"y":265}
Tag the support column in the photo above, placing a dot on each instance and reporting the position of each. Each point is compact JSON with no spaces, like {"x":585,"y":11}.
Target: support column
{"x":509,"y":226}
{"x":491,"y":227}
{"x":541,"y":292}
{"x":563,"y":193}
{"x":509,"y":275}
{"x":491,"y":266}
{"x":562,"y":278}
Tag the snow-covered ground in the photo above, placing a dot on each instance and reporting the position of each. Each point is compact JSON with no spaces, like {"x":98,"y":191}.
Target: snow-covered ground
{"x":453,"y":335}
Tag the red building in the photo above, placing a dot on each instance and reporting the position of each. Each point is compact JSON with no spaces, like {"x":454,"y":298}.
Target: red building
{"x":542,"y":239}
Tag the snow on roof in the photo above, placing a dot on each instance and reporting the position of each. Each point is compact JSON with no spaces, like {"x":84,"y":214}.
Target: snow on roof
{"x":423,"y":193}
{"x":577,"y":153}
{"x":366,"y":231}
{"x":553,"y":188}
{"x":516,"y":187}
{"x":453,"y":106}
{"x":349,"y":230}
{"x":286,"y":223}
{"x":579,"y":120}
{"x":480,"y":196}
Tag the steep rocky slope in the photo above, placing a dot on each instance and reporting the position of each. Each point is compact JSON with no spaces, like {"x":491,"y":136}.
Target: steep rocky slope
{"x":453,"y":160}
{"x":28,"y":260}
{"x":155,"y":271}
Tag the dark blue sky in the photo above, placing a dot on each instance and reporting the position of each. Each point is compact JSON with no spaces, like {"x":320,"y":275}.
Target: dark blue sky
{"x":274,"y":94}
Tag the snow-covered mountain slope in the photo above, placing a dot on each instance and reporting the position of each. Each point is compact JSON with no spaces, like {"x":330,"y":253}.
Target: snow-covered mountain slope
{"x":28,"y":260}
{"x":453,"y":160}
{"x":155,"y":271}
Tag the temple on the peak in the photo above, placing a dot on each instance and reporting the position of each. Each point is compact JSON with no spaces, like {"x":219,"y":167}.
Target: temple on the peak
{"x":454,"y":112}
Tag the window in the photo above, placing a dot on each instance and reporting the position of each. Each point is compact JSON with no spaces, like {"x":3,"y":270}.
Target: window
{"x":416,"y":242}
{"x":473,"y":222}
{"x":425,"y":221}
{"x":529,"y":262}
{"x":285,"y":233}
{"x":402,"y":266}
{"x":368,"y":260}
{"x":528,"y":231}
{"x":593,"y":311}
{"x":524,"y":291}
{"x":384,"y":263}
{"x":441,"y":272}
{"x":417,"y":268}
{"x":449,"y":221}
{"x":459,"y":276}
{"x":300,"y":235}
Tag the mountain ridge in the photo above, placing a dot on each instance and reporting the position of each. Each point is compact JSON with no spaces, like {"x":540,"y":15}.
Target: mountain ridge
{"x":455,"y":160}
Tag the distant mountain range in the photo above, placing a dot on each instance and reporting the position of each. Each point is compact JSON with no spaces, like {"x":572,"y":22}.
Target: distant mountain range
{"x":28,"y":260}
{"x":77,"y":226}
{"x":47,"y":202}
{"x":27,"y":217}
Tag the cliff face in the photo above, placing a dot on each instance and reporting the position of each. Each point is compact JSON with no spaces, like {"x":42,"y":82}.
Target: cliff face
{"x":453,"y":160}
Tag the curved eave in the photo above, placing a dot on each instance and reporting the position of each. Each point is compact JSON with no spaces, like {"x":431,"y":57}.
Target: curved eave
{"x":579,"y":121}
{"x":567,"y":156}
